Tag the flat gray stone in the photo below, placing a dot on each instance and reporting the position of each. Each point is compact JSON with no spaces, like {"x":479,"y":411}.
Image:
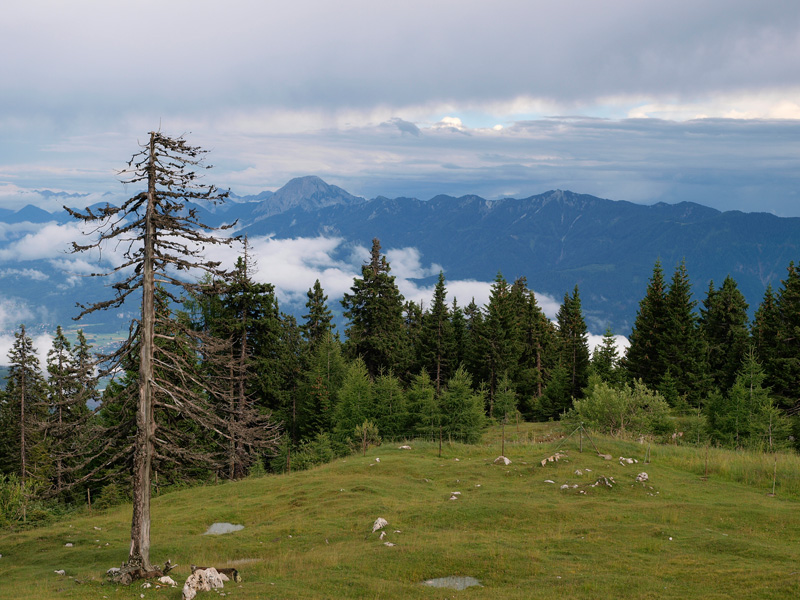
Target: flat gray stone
{"x":220,"y":528}
{"x":452,"y":582}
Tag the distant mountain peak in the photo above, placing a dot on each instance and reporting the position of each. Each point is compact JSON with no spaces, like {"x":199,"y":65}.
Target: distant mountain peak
{"x":308,"y":193}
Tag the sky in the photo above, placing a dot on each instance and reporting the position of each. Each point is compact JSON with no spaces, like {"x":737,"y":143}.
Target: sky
{"x":646,"y":101}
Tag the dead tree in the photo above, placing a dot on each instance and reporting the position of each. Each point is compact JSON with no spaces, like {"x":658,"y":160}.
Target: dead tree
{"x":162,"y":244}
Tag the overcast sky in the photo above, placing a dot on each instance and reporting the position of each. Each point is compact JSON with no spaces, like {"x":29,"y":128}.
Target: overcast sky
{"x":634,"y":100}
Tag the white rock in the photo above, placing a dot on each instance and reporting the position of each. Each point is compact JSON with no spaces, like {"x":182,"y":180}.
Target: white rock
{"x":565,"y":487}
{"x":390,"y":544}
{"x":383,"y":534}
{"x":579,"y":473}
{"x":147,"y":584}
{"x":455,"y":493}
{"x":453,"y":497}
{"x":642,"y":477}
{"x":457,"y":459}
{"x":377,"y":460}
{"x":405,"y":448}
{"x":502,"y":459}
{"x":60,"y":572}
{"x":68,"y":545}
{"x":167,"y":580}
{"x":202,"y":580}
{"x":549,"y":481}
{"x":379,"y":523}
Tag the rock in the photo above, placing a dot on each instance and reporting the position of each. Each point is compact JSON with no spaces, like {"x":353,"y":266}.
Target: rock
{"x":377,"y":460}
{"x":167,"y":580}
{"x":221,"y":528}
{"x":642,"y":477}
{"x":502,"y":459}
{"x":202,"y":580}
{"x":453,"y":497}
{"x":549,"y":481}
{"x":68,"y":545}
{"x":605,"y":456}
{"x":60,"y":572}
{"x":579,"y":473}
{"x":390,"y":544}
{"x":383,"y":535}
{"x":404,"y":448}
{"x":379,"y":523}
{"x":147,"y":585}
{"x":565,"y":487}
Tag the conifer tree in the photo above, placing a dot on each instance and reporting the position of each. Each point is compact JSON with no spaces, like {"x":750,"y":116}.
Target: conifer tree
{"x":436,"y":338}
{"x":605,"y":359}
{"x":322,"y":381}
{"x":70,"y":386}
{"x":645,"y":358}
{"x":536,"y":338}
{"x":500,"y":333}
{"x":24,"y":411}
{"x":158,"y":235}
{"x":785,"y":360}
{"x":355,"y":403}
{"x":425,"y":415}
{"x":374,"y":308}
{"x":681,"y":350}
{"x":573,"y":344}
{"x":725,"y":333}
{"x":463,"y":417}
{"x":391,"y":412}
{"x":318,"y":322}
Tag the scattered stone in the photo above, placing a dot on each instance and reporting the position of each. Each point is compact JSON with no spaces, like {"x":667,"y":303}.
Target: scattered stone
{"x":579,"y":473}
{"x":457,"y":459}
{"x":390,"y":544}
{"x":549,"y":481}
{"x":221,"y":528}
{"x":383,"y":534}
{"x":113,"y":571}
{"x":554,"y":458}
{"x":397,"y":531}
{"x":147,"y":585}
{"x":68,"y":545}
{"x":453,"y":497}
{"x":605,"y":456}
{"x":455,"y":493}
{"x":377,"y":460}
{"x":607,"y":481}
{"x":565,"y":487}
{"x":379,"y":524}
{"x":502,"y":459}
{"x":627,"y":461}
{"x":167,"y":580}
{"x":404,"y":448}
{"x":642,"y":477}
{"x":202,"y":580}
{"x":60,"y":572}
{"x":98,"y":528}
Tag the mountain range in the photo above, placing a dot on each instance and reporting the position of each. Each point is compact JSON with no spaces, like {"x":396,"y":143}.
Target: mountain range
{"x":556,"y":240}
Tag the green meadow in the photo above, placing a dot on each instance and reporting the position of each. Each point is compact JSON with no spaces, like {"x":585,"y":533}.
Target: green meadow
{"x":705,"y":525}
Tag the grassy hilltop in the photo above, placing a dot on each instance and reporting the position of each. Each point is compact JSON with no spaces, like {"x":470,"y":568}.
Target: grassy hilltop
{"x":308,"y":534}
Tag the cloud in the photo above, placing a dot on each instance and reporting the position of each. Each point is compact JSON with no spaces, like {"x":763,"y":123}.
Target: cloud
{"x":42,"y":343}
{"x":33,"y":274}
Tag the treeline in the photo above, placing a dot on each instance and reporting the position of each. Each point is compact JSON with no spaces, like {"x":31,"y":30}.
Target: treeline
{"x":705,"y":374}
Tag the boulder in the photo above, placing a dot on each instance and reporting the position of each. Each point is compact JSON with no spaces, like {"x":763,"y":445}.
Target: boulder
{"x":379,"y":524}
{"x":202,"y":580}
{"x":642,"y":477}
{"x":167,"y":580}
{"x":502,"y":459}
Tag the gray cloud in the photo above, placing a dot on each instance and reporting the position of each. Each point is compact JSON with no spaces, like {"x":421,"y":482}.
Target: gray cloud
{"x":385,"y":99}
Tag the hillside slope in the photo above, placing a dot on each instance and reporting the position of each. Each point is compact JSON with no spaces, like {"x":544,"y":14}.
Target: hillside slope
{"x":308,"y":535}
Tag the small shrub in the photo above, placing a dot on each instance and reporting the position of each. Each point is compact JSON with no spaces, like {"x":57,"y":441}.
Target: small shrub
{"x":112,"y":494}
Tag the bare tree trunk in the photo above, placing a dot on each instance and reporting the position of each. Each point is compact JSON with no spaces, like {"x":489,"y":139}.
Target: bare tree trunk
{"x":145,"y":426}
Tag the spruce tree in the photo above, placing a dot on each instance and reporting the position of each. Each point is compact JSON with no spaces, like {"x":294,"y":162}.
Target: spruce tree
{"x":24,"y":413}
{"x":605,"y":359}
{"x":573,"y":344}
{"x":785,"y":361}
{"x":500,"y":337}
{"x":681,"y":350}
{"x":161,"y":238}
{"x":374,"y":309}
{"x":318,"y":322}
{"x":463,"y":417}
{"x":425,"y":415}
{"x":725,"y":333}
{"x":436,"y":342}
{"x":645,"y":358}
